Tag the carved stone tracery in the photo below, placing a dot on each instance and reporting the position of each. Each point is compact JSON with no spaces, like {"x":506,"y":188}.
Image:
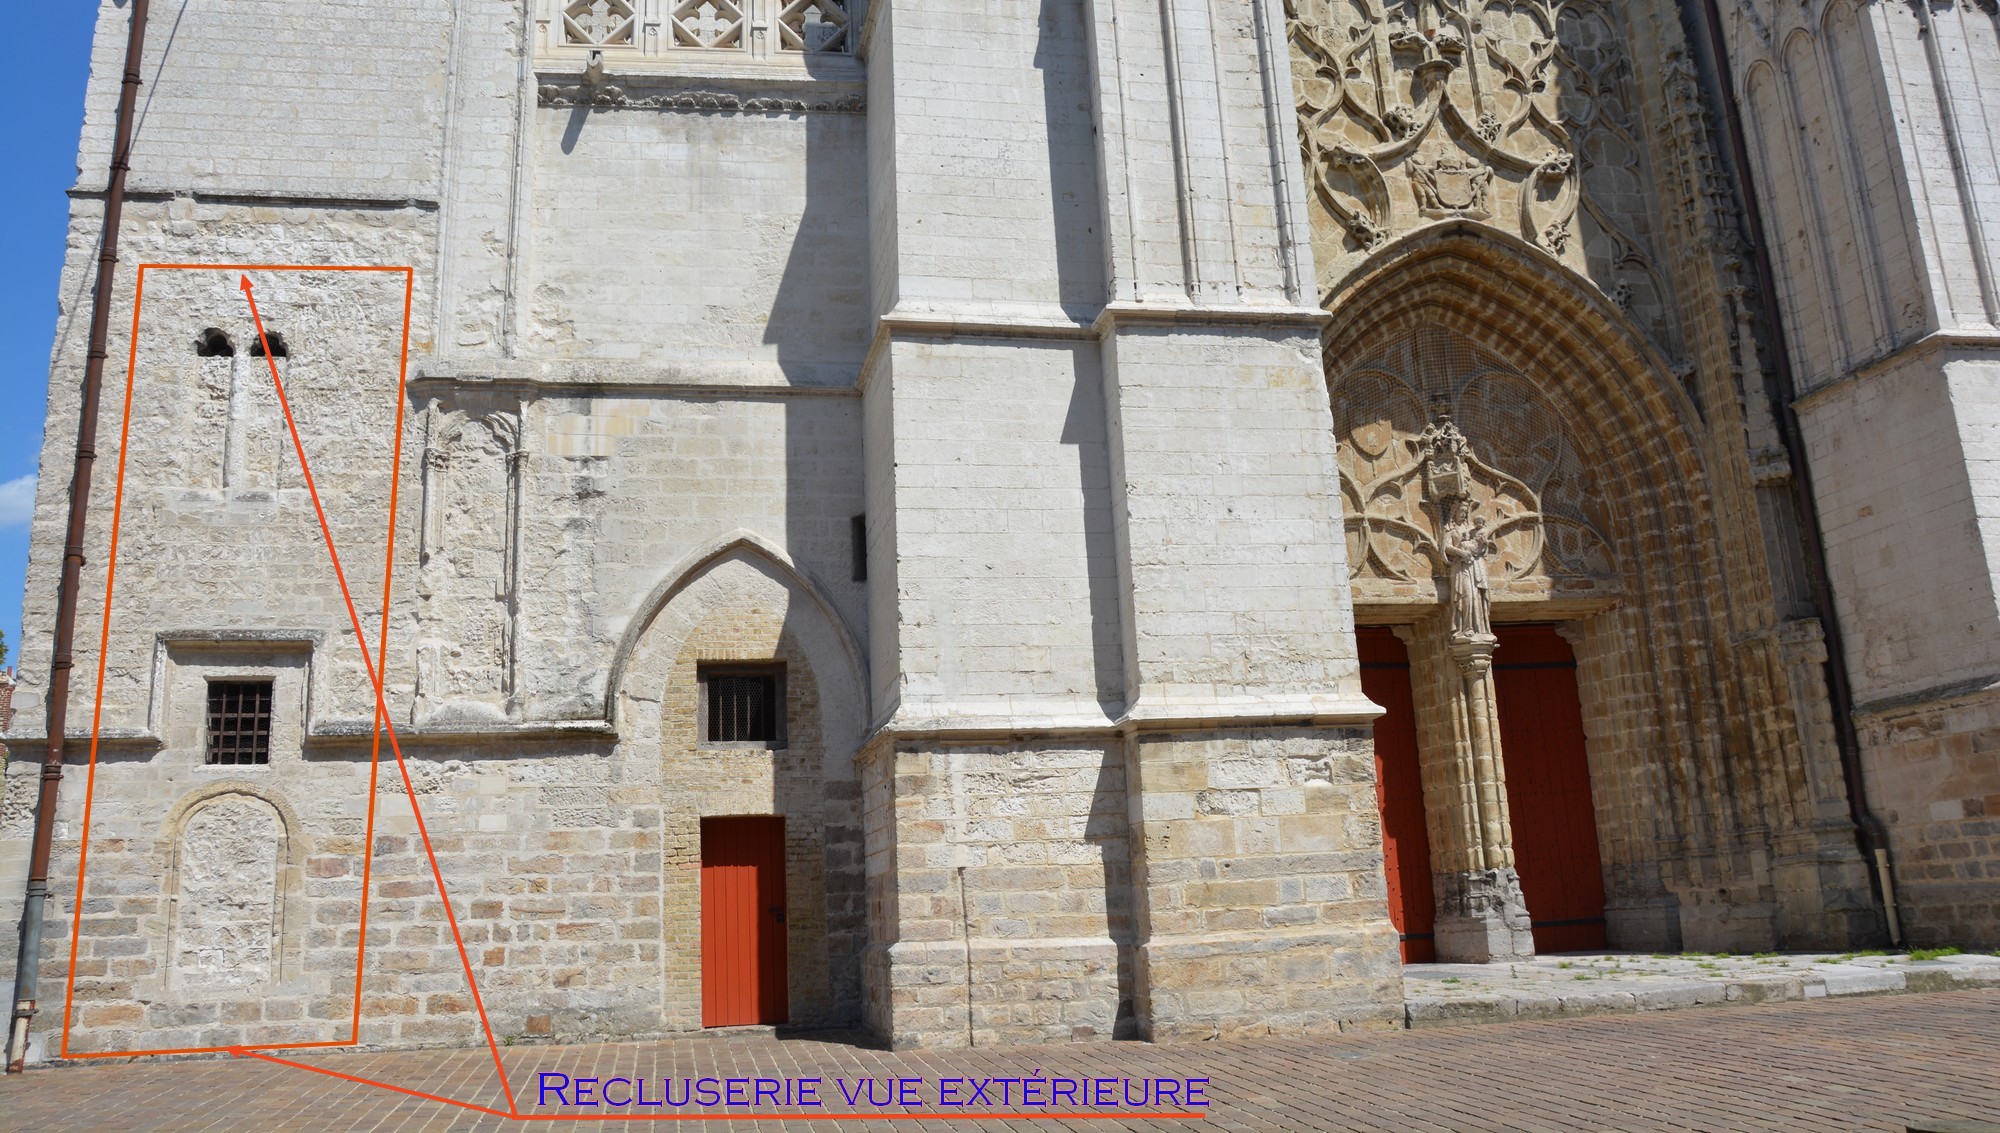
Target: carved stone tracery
{"x":1517,"y":113}
{"x":813,"y":25}
{"x":1528,"y":482}
{"x":598,"y":23}
{"x":707,"y":23}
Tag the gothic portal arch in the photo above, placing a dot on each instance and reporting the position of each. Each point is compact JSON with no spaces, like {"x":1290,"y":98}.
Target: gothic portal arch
{"x":1472,"y":372}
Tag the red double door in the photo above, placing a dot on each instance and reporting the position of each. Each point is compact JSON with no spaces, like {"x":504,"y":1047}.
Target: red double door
{"x":1548,"y":789}
{"x":742,"y":921}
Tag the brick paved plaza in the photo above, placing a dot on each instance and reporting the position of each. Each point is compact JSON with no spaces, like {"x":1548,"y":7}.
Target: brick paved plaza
{"x":1874,"y":1063}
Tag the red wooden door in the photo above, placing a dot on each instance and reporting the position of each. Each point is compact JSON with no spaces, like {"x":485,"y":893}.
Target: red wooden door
{"x":1548,"y":788}
{"x":1399,"y":790}
{"x":742,"y":921}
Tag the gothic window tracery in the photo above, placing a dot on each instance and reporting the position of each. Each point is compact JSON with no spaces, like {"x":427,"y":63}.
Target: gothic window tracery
{"x":637,"y":31}
{"x":708,"y":23}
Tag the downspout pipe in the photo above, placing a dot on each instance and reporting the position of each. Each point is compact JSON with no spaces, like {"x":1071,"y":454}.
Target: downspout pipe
{"x":1712,"y":53}
{"x":25,"y":966}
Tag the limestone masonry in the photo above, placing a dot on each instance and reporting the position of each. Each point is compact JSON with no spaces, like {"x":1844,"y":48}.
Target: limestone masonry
{"x":1016,"y":522}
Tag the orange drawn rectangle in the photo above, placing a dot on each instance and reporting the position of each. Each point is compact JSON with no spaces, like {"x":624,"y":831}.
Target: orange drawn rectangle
{"x":104,"y":637}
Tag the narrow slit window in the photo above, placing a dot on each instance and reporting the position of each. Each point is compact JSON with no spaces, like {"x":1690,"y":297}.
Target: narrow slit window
{"x":213,"y":343}
{"x":743,"y":706}
{"x":239,"y":722}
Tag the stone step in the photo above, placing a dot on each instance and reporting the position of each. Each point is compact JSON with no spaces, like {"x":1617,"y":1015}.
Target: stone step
{"x":1611,"y":983}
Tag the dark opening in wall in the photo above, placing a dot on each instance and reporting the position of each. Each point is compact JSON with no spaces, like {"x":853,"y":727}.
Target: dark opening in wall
{"x":742,"y":704}
{"x":278,"y":347}
{"x":239,"y":722}
{"x":857,"y":530}
{"x":212,"y":343}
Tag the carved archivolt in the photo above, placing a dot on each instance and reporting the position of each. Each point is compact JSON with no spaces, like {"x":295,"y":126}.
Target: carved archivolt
{"x":1523,"y":476}
{"x":1516,"y":113}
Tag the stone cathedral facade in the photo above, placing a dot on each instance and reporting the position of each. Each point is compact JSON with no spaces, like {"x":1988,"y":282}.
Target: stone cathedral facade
{"x":1021,"y":520}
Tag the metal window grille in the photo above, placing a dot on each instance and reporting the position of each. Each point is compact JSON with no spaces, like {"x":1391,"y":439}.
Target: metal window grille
{"x":239,"y":722}
{"x":742,"y":708}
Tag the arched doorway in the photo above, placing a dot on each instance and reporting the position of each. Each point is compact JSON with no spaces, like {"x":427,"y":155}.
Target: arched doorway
{"x":1468,"y":368}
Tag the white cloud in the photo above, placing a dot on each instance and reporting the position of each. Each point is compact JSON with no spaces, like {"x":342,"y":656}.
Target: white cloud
{"x":17,"y":501}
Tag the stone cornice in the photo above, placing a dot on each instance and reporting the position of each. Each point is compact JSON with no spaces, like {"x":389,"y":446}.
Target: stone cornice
{"x":594,"y":378}
{"x":1909,"y":352}
{"x":984,"y":721}
{"x":1930,"y":697}
{"x":730,"y":93}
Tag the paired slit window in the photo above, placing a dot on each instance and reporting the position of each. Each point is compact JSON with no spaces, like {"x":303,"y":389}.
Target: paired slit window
{"x":742,"y":705}
{"x":239,"y":722}
{"x":215,"y":343}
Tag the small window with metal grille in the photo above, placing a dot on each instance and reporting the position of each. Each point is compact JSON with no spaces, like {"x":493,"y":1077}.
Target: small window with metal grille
{"x":742,"y":705}
{"x":239,"y":722}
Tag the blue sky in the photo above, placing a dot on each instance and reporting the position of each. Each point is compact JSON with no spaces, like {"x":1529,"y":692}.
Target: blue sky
{"x":44,"y":88}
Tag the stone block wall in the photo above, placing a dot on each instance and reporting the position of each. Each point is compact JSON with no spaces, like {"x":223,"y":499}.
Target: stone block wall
{"x":1000,"y":898}
{"x":342,"y":100}
{"x":1260,"y":896}
{"x":1904,"y":457}
{"x":1873,"y":158}
{"x":748,"y":225}
{"x":1934,"y":776}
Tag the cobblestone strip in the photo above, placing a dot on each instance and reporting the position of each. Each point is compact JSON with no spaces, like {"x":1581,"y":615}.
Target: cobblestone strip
{"x":1862,"y":1064}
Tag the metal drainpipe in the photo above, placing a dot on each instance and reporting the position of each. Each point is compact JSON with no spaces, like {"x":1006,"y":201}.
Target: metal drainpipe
{"x":79,"y":510}
{"x":1783,"y":391}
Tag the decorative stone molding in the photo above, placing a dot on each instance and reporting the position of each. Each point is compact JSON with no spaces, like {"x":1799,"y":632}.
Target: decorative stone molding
{"x":1451,"y":185}
{"x":1522,"y":114}
{"x":638,"y":94}
{"x":1481,"y":917}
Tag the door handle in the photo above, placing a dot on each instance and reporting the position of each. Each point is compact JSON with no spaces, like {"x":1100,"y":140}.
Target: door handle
{"x":778,"y":911}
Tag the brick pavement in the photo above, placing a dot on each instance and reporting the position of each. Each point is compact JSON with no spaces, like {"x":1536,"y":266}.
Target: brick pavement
{"x":1857,"y":1064}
